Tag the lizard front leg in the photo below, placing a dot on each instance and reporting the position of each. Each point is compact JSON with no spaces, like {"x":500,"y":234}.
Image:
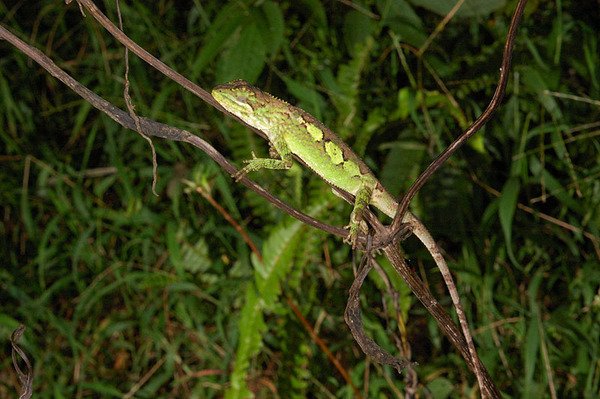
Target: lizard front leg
{"x":281,"y":148}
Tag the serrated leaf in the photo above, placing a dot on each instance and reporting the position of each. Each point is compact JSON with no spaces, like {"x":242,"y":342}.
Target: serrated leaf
{"x":196,"y":257}
{"x":279,"y":251}
{"x":344,"y":90}
{"x":252,"y":327}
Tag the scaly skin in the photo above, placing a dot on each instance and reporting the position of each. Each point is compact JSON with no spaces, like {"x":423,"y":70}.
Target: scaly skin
{"x":293,"y":132}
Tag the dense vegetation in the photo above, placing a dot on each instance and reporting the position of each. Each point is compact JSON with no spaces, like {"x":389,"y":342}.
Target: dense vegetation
{"x":127,"y":293}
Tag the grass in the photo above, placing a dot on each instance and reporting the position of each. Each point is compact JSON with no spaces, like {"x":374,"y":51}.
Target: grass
{"x":126,"y":294}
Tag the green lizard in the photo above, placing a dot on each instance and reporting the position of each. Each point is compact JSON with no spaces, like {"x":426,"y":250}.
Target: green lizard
{"x":293,"y":132}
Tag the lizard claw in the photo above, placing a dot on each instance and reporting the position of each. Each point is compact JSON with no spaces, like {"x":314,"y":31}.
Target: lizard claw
{"x":237,"y":176}
{"x":352,"y":237}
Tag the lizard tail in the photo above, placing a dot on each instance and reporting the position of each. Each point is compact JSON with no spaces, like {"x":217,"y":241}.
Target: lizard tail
{"x":423,"y":235}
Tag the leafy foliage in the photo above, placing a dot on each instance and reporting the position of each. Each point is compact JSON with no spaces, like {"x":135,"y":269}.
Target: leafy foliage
{"x":125,"y":293}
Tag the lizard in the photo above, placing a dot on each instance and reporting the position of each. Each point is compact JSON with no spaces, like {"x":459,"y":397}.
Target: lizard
{"x":292,"y":131}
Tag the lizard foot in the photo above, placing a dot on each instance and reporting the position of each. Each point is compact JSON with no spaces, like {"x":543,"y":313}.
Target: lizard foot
{"x":237,"y":176}
{"x":352,"y":237}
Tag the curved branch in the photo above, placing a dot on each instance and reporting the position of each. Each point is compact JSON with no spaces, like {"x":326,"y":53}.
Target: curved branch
{"x":153,"y":128}
{"x":478,"y":124}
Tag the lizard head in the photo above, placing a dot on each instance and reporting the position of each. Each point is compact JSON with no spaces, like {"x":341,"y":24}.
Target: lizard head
{"x":237,"y":97}
{"x":253,"y":106}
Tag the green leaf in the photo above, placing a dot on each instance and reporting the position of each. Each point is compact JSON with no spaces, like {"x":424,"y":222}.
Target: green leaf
{"x":174,"y":247}
{"x":252,"y":327}
{"x":80,"y":120}
{"x":538,"y":84}
{"x":223,"y":27}
{"x":309,"y":98}
{"x":244,"y":45}
{"x":506,"y":211}
{"x":344,"y":90}
{"x":405,"y":297}
{"x":402,"y":164}
{"x":533,"y":339}
{"x":26,"y":215}
{"x":278,"y":254}
{"x":402,"y":19}
{"x":244,"y":58}
{"x":318,"y":11}
{"x":7,"y":325}
{"x":357,"y":28}
{"x":440,"y":388}
{"x":375,"y":119}
{"x":554,"y":186}
{"x":407,"y":104}
{"x":196,"y":257}
{"x":104,"y":389}
{"x":400,"y":11}
{"x":270,"y":24}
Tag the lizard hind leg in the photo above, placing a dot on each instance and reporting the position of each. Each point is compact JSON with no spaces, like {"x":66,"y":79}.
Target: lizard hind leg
{"x":361,"y":202}
{"x":358,"y":226}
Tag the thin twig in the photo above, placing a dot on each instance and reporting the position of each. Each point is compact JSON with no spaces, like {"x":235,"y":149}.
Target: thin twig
{"x":454,"y":334}
{"x":138,"y":385}
{"x":164,"y":131}
{"x":25,"y":378}
{"x":440,"y":27}
{"x":479,"y":122}
{"x":354,"y":321}
{"x":131,"y":109}
{"x":439,"y":161}
{"x":158,"y":129}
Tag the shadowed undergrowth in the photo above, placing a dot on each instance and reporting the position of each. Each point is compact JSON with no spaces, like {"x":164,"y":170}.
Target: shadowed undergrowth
{"x":127,"y":294}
